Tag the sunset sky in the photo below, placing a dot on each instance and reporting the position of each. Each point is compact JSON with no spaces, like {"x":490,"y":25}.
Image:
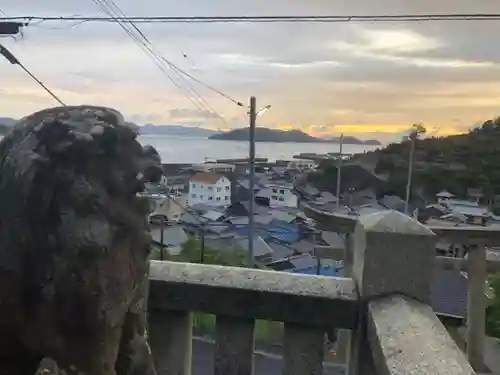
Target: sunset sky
{"x":367,"y":80}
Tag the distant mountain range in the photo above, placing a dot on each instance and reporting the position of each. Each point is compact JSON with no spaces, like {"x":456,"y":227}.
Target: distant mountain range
{"x":5,"y":124}
{"x":241,"y":134}
{"x":272,"y":135}
{"x":7,"y":121}
{"x":186,"y":131}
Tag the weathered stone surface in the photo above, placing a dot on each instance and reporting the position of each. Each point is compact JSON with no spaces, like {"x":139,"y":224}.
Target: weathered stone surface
{"x":74,"y":243}
{"x":317,"y":301}
{"x":393,"y":253}
{"x":406,"y":337}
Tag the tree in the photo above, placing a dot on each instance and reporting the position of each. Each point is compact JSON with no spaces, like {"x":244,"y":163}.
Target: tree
{"x":192,"y":253}
{"x":493,"y":310}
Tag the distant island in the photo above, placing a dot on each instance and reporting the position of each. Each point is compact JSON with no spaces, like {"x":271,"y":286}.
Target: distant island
{"x":273,"y":135}
{"x":6,"y":124}
{"x":179,"y":130}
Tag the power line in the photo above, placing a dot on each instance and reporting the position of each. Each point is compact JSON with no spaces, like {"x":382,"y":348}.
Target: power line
{"x":148,"y":50}
{"x":13,"y":60}
{"x":261,"y":19}
{"x":112,"y":9}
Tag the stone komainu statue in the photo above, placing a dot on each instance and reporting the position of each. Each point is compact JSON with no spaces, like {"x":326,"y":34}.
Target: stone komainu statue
{"x":74,"y":244}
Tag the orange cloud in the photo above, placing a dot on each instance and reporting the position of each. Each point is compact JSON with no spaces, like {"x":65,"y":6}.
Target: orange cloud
{"x":369,"y":129}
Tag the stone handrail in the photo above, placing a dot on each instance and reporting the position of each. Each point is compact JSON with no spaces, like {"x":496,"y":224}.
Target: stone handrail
{"x":476,"y":266}
{"x":308,"y":305}
{"x":384,"y":305}
{"x":406,"y":337}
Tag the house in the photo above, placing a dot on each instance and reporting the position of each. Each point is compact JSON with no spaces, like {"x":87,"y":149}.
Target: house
{"x":475,"y":194}
{"x":470,"y":211}
{"x":172,"y":238}
{"x":393,"y":202}
{"x":210,"y":189}
{"x":159,"y":187}
{"x":449,"y":293}
{"x":301,"y":165}
{"x":444,"y":196}
{"x":279,"y":195}
{"x":214,"y":167}
{"x":262,"y":252}
{"x":168,"y":209}
{"x":177,"y":184}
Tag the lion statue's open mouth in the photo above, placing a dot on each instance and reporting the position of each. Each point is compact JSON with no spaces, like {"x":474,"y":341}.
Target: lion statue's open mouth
{"x":74,"y":243}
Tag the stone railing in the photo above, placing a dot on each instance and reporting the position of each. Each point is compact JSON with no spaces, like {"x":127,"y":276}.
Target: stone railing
{"x":475,"y":238}
{"x":384,"y":305}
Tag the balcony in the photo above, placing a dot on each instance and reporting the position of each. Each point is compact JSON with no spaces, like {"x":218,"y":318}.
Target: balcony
{"x":383,"y":307}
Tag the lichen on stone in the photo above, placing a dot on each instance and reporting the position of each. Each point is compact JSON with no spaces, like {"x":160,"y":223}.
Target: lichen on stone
{"x":74,"y":242}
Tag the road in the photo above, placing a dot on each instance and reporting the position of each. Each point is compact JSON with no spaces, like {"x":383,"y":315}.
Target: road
{"x":264,"y":364}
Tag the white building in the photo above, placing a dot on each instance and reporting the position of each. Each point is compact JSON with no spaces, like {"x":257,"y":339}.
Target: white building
{"x":214,"y":167}
{"x":209,"y":188}
{"x":301,"y":165}
{"x":279,"y":196}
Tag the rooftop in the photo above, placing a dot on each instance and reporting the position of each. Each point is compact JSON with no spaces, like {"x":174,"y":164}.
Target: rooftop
{"x":206,"y":177}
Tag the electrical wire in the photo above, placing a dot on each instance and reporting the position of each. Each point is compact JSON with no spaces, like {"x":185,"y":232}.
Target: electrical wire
{"x":112,"y":9}
{"x":260,"y":19}
{"x":13,"y":60}
{"x":202,"y":105}
{"x":149,"y":52}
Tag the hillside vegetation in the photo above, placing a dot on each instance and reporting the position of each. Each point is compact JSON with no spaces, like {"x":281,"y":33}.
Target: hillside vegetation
{"x":455,"y":163}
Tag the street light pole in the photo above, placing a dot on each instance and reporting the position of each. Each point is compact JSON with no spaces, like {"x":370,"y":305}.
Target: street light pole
{"x":251,"y":179}
{"x":339,"y":165}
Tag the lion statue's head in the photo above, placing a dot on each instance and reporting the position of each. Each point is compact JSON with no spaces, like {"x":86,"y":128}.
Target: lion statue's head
{"x":73,"y":234}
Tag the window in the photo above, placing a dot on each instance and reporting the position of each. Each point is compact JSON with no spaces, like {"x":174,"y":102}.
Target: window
{"x":218,"y":198}
{"x":219,"y":189}
{"x":201,"y":186}
{"x":281,"y":199}
{"x":227,"y":198}
{"x":210,"y":198}
{"x":193,"y":195}
{"x":274,"y":198}
{"x":227,"y":188}
{"x":282,"y":191}
{"x":193,"y":185}
{"x":201,"y":196}
{"x":210,"y":188}
{"x":275,"y":190}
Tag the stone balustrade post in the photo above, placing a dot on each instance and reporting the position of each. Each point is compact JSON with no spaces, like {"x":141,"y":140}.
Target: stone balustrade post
{"x":392,"y":254}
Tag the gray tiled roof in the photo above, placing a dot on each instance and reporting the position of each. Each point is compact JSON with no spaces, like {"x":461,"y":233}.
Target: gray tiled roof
{"x":449,"y":292}
{"x":333,"y":239}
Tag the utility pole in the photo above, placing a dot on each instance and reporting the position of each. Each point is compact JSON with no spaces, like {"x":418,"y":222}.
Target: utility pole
{"x":416,"y":130}
{"x":410,"y":173}
{"x":202,"y":252}
{"x":339,"y":166}
{"x":251,"y":179}
{"x":162,"y":241}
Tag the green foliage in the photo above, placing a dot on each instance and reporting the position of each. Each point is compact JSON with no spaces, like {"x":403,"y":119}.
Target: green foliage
{"x":454,"y":163}
{"x":493,"y":310}
{"x":266,"y":332}
{"x":192,"y":253}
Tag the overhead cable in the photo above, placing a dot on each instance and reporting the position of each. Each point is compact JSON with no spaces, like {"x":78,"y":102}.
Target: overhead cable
{"x":260,"y":19}
{"x":13,"y":60}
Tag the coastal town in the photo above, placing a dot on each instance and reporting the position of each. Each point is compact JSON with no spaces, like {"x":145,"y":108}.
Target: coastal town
{"x":315,"y":191}
{"x":210,"y":201}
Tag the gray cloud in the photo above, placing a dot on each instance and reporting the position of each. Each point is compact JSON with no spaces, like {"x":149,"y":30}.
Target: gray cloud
{"x":443,"y":73}
{"x":186,"y":113}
